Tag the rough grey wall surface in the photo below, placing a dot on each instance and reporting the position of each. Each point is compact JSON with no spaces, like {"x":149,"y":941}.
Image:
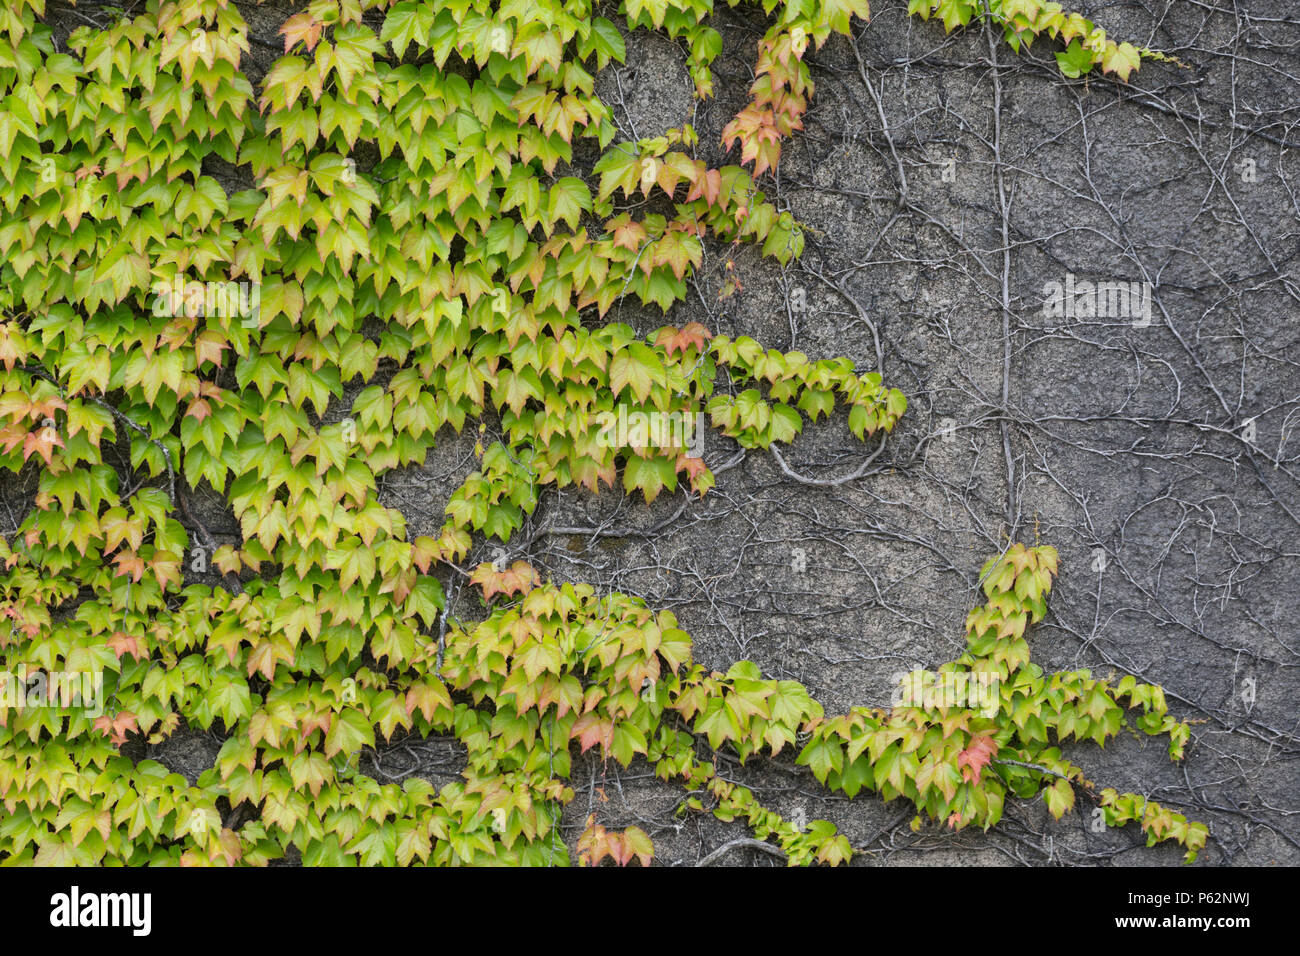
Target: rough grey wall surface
{"x":945,"y":183}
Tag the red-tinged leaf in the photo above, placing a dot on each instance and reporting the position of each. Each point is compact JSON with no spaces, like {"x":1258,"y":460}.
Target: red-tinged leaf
{"x":636,"y":842}
{"x":166,"y":568}
{"x":116,"y":727}
{"x":697,"y":473}
{"x":208,"y":347}
{"x":227,"y":847}
{"x":226,"y":559}
{"x":564,"y":692}
{"x":678,"y":250}
{"x":424,"y":552}
{"x":708,"y":186}
{"x":975,"y":757}
{"x":1060,"y":801}
{"x":349,"y":731}
{"x":427,"y":697}
{"x":591,"y":729}
{"x":302,"y":27}
{"x":619,"y":851}
{"x":627,"y":232}
{"x":636,"y":367}
{"x":673,"y":340}
{"x":309,"y":725}
{"x":516,"y":579}
{"x":674,"y":168}
{"x":130,"y":563}
{"x":47,"y":408}
{"x":121,"y":644}
{"x":1122,"y":59}
{"x":454,"y":543}
{"x":310,"y":770}
{"x":593,"y":845}
{"x":11,"y":436}
{"x":263,"y":655}
{"x":564,"y":115}
{"x":43,"y":441}
{"x":767,"y":156}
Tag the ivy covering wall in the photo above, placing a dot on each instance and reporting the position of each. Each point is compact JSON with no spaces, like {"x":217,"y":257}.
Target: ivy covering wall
{"x":421,"y":253}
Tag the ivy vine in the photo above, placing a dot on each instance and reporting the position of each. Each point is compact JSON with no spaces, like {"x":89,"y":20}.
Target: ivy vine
{"x":284,"y":346}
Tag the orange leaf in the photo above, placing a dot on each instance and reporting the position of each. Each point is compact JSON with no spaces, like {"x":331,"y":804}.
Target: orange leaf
{"x":121,"y":644}
{"x":619,"y":851}
{"x":628,"y":233}
{"x":42,"y":441}
{"x":694,"y":467}
{"x":591,"y":730}
{"x":516,"y":579}
{"x":674,"y":340}
{"x":116,"y":727}
{"x":591,"y":845}
{"x":47,"y":408}
{"x":11,"y":436}
{"x":301,"y":27}
{"x":636,"y":842}
{"x":166,"y":567}
{"x":128,"y":562}
{"x":707,"y":186}
{"x":208,"y":348}
{"x":975,"y":757}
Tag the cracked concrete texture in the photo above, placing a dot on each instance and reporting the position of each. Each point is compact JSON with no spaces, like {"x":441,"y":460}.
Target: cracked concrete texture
{"x":1130,"y":448}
